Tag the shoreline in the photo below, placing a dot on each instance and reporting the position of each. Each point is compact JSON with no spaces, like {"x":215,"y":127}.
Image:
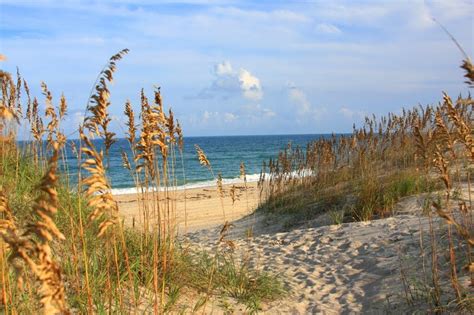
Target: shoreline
{"x":208,"y":184}
{"x":197,"y":208}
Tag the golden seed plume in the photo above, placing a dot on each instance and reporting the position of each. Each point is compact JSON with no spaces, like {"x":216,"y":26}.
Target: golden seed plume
{"x":97,"y":189}
{"x":179,"y":133}
{"x":125,"y":161}
{"x":233,"y":194}
{"x":98,"y":120}
{"x":130,"y":123}
{"x":202,"y":157}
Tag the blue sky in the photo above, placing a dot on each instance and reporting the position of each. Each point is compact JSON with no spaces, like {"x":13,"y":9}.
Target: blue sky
{"x":244,"y":67}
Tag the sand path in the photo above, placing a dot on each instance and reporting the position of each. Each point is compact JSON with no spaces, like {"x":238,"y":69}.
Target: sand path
{"x":338,"y":269}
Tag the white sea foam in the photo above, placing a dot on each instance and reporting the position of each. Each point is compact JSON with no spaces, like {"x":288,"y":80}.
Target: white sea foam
{"x":226,"y":181}
{"x":202,"y":184}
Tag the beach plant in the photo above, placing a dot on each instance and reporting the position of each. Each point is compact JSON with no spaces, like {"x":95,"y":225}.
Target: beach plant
{"x":424,"y":150}
{"x":337,"y":216}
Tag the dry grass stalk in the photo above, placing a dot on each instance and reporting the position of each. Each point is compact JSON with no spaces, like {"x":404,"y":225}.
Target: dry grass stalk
{"x":233,"y":195}
{"x":8,"y":104}
{"x":97,"y":189}
{"x":33,"y":246}
{"x":15,"y":247}
{"x":179,"y":133}
{"x":202,"y":157}
{"x":220,"y":188}
{"x":469,"y":68}
{"x":125,"y":161}
{"x":99,"y":119}
{"x":442,"y":141}
{"x":28,"y":104}
{"x":130,"y":123}
{"x":46,"y":269}
{"x":152,"y":135}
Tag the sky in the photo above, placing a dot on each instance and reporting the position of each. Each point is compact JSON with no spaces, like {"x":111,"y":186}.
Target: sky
{"x":238,"y":67}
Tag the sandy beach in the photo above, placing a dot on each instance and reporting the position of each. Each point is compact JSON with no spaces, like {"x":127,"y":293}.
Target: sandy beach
{"x":199,"y":208}
{"x":335,"y":269}
{"x":328,"y":269}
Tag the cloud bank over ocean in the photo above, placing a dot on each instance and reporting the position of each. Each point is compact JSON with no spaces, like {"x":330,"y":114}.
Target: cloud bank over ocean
{"x":234,"y":67}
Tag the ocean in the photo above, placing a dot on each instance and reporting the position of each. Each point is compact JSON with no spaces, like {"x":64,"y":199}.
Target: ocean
{"x":224,"y":152}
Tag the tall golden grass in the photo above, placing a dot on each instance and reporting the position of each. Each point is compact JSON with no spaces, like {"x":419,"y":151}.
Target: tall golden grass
{"x":70,"y":252}
{"x":361,"y":176}
{"x":64,"y":247}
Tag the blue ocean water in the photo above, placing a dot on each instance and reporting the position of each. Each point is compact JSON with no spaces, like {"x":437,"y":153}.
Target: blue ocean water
{"x":224,"y":152}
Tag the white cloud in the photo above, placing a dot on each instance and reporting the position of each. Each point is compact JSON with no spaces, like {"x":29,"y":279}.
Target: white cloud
{"x":272,"y":42}
{"x":452,"y":9}
{"x":351,"y":114}
{"x":228,"y":82}
{"x":325,"y":28}
{"x":223,"y":68}
{"x":216,"y":118}
{"x":207,"y":115}
{"x":264,"y":16}
{"x":250,"y":85}
{"x":76,"y":119}
{"x":230,"y":117}
{"x":256,"y":112}
{"x":346,"y":112}
{"x":268,"y":113}
{"x":299,"y":99}
{"x":304,"y":109}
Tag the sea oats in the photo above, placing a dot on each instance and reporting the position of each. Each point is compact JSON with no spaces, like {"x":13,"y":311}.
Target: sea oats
{"x":202,"y":157}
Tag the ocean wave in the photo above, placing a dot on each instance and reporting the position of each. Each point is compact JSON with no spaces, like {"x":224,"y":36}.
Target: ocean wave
{"x":202,"y":184}
{"x":226,"y":181}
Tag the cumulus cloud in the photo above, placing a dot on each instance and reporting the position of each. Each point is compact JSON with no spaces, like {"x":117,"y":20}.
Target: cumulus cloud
{"x":250,"y":85}
{"x":223,"y":68}
{"x":312,"y":54}
{"x":229,"y":82}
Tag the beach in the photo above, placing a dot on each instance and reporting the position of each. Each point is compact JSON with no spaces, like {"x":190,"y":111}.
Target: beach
{"x":301,"y":166}
{"x":333,"y":269}
{"x":198,"y":208}
{"x":354,"y":267}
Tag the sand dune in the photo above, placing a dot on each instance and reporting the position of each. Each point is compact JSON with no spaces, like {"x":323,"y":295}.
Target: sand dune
{"x":330,"y":269}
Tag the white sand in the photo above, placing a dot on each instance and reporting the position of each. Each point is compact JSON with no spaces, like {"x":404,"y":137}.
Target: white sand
{"x":348,"y":268}
{"x":329,"y":269}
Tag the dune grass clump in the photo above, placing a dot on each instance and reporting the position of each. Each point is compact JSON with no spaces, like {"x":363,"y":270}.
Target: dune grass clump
{"x":371,"y":169}
{"x":446,"y":147}
{"x":362,"y":176}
